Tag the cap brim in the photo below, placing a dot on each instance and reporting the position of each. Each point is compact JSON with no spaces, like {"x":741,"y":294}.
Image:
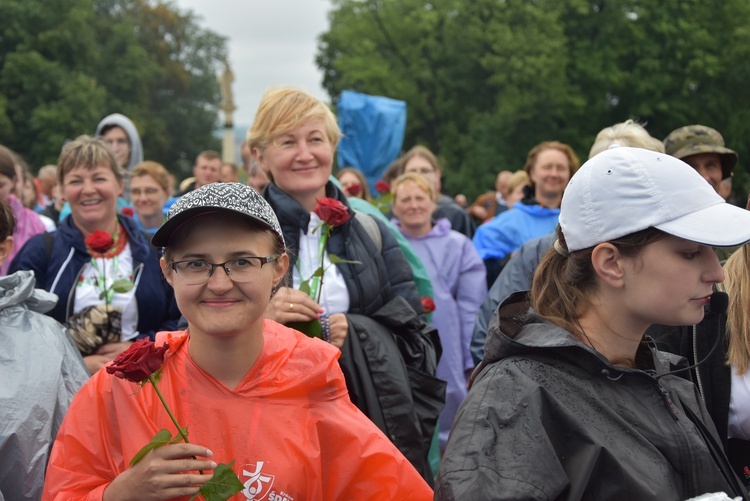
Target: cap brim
{"x":721,"y":225}
{"x":164,"y":234}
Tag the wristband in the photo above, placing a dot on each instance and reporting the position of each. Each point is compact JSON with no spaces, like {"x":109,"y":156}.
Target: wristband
{"x":325,"y":323}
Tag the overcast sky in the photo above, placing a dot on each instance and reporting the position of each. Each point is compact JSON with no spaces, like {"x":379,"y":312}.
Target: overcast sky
{"x":271,"y":42}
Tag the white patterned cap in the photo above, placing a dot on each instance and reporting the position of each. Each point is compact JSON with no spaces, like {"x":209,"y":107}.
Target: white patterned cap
{"x":233,"y":197}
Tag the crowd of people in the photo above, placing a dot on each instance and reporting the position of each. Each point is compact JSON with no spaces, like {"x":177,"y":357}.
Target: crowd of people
{"x":578,"y":332}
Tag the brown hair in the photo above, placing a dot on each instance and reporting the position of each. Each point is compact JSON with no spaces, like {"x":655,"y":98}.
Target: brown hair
{"x":87,"y":152}
{"x":7,"y":163}
{"x":737,"y":285}
{"x":563,"y":283}
{"x":573,"y":162}
{"x":282,"y":110}
{"x":156,"y":171}
{"x":208,"y":155}
{"x":7,"y":221}
{"x":421,"y":152}
{"x":362,"y":180}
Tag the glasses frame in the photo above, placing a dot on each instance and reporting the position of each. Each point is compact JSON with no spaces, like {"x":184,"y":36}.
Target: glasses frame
{"x":263,"y":261}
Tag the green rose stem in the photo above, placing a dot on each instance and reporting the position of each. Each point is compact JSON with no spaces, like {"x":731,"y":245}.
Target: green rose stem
{"x":180,"y":430}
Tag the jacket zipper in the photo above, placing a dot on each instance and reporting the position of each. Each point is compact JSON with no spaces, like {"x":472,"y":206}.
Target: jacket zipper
{"x":686,"y":480}
{"x":668,"y":401}
{"x":136,"y":280}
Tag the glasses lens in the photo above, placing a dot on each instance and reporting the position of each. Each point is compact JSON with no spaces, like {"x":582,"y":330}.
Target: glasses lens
{"x":193,"y":272}
{"x":243,"y":269}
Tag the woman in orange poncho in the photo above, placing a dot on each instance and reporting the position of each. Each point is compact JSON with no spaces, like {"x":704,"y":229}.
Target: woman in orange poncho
{"x":247,"y":389}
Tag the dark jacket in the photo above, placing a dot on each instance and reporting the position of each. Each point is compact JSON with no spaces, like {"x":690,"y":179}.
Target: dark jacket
{"x":154,"y":296}
{"x":712,"y":377}
{"x":516,"y":276}
{"x":549,"y":418}
{"x":460,"y":220}
{"x":373,"y":282}
{"x":394,"y":383}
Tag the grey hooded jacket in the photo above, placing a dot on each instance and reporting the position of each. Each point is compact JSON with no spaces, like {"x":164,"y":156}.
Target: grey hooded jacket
{"x":136,"y":149}
{"x":40,"y":370}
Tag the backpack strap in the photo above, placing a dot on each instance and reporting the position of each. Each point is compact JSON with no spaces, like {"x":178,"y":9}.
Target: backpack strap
{"x":371,"y":227}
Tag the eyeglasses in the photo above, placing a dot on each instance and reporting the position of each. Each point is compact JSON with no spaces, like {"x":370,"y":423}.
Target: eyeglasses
{"x":239,"y":270}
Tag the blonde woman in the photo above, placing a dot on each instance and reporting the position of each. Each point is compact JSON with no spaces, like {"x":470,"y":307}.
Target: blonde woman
{"x":149,"y":193}
{"x":458,"y":277}
{"x":516,"y":186}
{"x":370,"y":304}
{"x":91,"y":182}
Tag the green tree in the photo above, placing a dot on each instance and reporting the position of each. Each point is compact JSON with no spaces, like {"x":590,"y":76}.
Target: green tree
{"x":485,"y":80}
{"x":47,"y":93}
{"x":176,"y":108}
{"x":66,"y":65}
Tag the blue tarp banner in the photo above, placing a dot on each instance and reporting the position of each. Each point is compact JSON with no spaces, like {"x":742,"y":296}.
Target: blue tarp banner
{"x":373,"y":128}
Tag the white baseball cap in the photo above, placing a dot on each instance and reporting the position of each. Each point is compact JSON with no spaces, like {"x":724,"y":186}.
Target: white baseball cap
{"x":625,"y":190}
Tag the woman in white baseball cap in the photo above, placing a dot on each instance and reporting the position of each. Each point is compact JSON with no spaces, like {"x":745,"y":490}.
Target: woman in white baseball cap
{"x":571,"y":400}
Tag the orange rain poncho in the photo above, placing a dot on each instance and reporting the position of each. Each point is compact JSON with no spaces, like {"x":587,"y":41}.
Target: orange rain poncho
{"x":289,"y":425}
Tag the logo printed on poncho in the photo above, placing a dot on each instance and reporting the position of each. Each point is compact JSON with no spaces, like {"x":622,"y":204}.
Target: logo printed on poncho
{"x":259,"y":483}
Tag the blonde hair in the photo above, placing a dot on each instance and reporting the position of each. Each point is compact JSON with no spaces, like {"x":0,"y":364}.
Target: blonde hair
{"x":156,"y":171}
{"x":519,"y":178}
{"x":87,"y":152}
{"x":627,"y":133}
{"x":413,"y":177}
{"x":282,"y":110}
{"x":737,"y":285}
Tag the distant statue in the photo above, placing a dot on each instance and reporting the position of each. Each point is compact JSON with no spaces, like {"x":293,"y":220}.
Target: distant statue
{"x":227,"y":99}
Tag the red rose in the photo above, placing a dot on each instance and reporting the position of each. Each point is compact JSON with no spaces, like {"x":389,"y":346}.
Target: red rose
{"x":332,"y":212}
{"x":127,"y":211}
{"x":138,"y":362}
{"x":428,"y":305}
{"x":382,"y":187}
{"x":100,"y":241}
{"x":354,"y":189}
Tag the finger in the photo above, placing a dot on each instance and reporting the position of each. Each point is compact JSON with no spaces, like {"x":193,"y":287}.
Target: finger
{"x":182,"y":465}
{"x":175,"y":486}
{"x":182,"y":451}
{"x":339,"y":329}
{"x":295,"y":306}
{"x":285,"y":317}
{"x":296,"y":297}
